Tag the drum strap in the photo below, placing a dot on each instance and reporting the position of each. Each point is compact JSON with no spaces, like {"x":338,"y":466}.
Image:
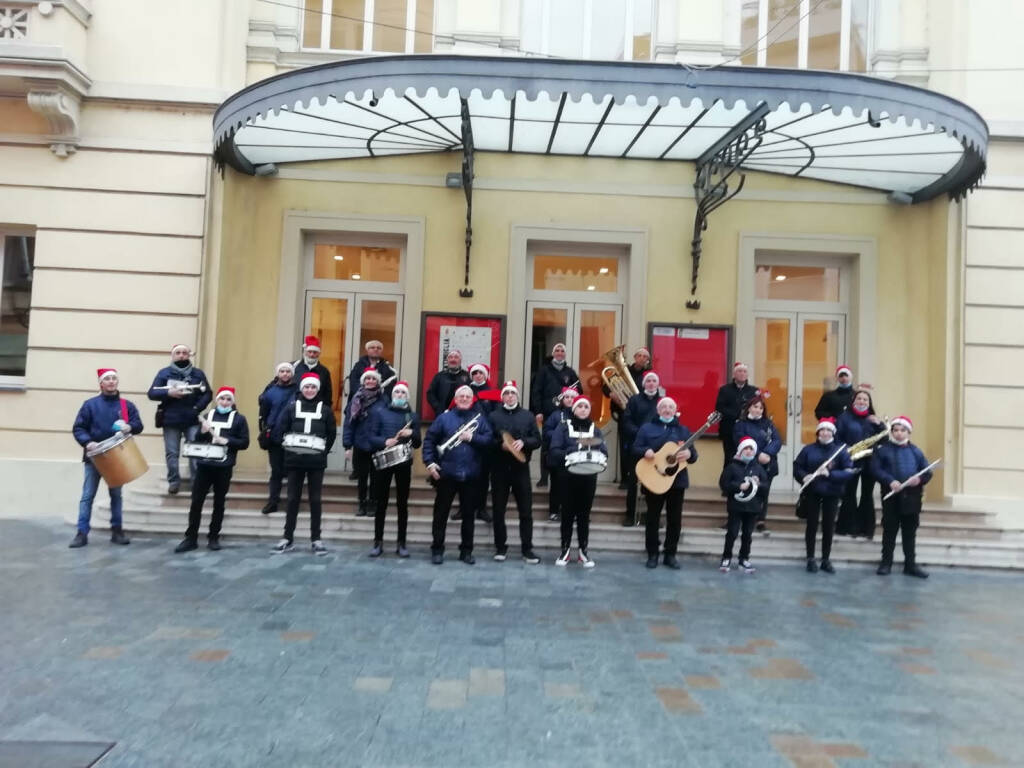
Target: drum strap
{"x":308,"y":417}
{"x":217,"y":426}
{"x":124,"y":410}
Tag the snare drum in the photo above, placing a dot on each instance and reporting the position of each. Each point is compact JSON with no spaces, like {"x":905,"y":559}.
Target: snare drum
{"x":119,"y":460}
{"x":205,"y":451}
{"x":393,"y":456}
{"x":297,"y":442}
{"x":586,"y":462}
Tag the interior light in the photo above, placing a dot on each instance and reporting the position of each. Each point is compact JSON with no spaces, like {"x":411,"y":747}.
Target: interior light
{"x":780,"y":278}
{"x":356,"y":277}
{"x":591,"y":287}
{"x":603,"y":270}
{"x":339,"y":257}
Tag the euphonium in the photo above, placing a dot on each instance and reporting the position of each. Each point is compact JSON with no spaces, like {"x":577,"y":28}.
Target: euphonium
{"x":867,"y":445}
{"x":616,"y":376}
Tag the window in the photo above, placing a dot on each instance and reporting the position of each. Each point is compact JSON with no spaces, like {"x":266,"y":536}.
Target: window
{"x":575,"y":273}
{"x":614,"y":30}
{"x":369,"y":26}
{"x":805,"y":34}
{"x":16,"y":265}
{"x":796,"y":283}
{"x":354,"y":262}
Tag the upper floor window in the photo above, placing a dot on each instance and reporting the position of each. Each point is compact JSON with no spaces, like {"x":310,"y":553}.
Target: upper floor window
{"x":17,"y":257}
{"x":369,"y":26}
{"x":805,"y":34}
{"x":617,"y":30}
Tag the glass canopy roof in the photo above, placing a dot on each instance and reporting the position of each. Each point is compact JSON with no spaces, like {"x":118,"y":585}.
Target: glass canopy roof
{"x":837,"y":127}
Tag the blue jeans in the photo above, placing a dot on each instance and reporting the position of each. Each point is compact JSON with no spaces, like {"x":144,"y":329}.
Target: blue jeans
{"x":89,"y":488}
{"x":172,"y":449}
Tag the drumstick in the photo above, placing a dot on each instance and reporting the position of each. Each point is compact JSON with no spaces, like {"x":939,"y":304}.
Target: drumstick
{"x":407,"y":425}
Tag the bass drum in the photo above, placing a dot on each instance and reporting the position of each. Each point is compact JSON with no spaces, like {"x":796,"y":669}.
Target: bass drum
{"x":589,"y":462}
{"x":119,"y":460}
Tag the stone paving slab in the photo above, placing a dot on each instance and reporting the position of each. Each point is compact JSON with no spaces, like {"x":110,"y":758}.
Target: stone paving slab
{"x":238,"y":658}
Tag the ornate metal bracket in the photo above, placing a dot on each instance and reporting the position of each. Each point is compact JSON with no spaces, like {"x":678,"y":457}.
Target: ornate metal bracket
{"x":711,"y":188}
{"x":467,"y":187}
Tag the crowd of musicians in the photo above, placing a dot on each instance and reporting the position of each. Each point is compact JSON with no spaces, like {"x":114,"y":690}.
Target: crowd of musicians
{"x":480,"y":443}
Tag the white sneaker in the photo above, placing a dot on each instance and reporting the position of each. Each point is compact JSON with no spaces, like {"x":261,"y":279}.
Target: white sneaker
{"x":746,"y":566}
{"x":281,"y":547}
{"x":585,"y":560}
{"x":318,"y":548}
{"x":500,"y":556}
{"x":563,"y":559}
{"x":726,"y":564}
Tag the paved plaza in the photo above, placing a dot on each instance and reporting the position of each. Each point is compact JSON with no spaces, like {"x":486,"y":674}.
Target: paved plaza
{"x":237,"y":658}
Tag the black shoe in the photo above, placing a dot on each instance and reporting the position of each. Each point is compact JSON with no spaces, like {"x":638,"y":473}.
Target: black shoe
{"x":554,"y":517}
{"x":623,"y":486}
{"x":530,"y":557}
{"x":812,"y":565}
{"x":826,"y":566}
{"x":437,"y":558}
{"x":364,"y":509}
{"x":456,"y":514}
{"x":353,"y":475}
{"x":80,"y":540}
{"x":762,"y":529}
{"x":401,"y":551}
{"x":652,"y":561}
{"x":377,"y":551}
{"x":627,"y":522}
{"x":467,"y":558}
{"x":173,"y":488}
{"x":213,"y":542}
{"x":542,"y":483}
{"x":884,"y":569}
{"x":117,"y":536}
{"x":187,"y":545}
{"x":269,"y":507}
{"x":912,"y":569}
{"x":484,"y":516}
{"x":672,"y":562}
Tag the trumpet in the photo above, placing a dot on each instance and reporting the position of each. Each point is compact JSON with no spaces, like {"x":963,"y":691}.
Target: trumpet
{"x":867,"y":445}
{"x":619,"y":382}
{"x":181,"y":386}
{"x":451,"y":441}
{"x":557,"y":399}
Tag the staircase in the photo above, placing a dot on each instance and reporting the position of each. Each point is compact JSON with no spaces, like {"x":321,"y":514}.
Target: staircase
{"x":947,"y":536}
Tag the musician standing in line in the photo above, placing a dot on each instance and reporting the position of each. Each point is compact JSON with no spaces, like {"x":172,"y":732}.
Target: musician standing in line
{"x":738,"y":482}
{"x":640,"y":409}
{"x":100,"y":418}
{"x":273,"y":398}
{"x":456,"y":468}
{"x":487,"y":398}
{"x":355,"y":436}
{"x":374,"y":358}
{"x":754,"y":423}
{"x":556,"y":491}
{"x":445,"y":382}
{"x":855,"y":424}
{"x":306,"y":414}
{"x":896,"y":462}
{"x":390,"y":426}
{"x":579,"y":489}
{"x":835,"y":401}
{"x":640,"y":365}
{"x":179,"y":408}
{"x":730,"y":401}
{"x":310,"y":363}
{"x":223,"y":425}
{"x":511,"y":474}
{"x":652,"y":436}
{"x":554,"y":375}
{"x":821,"y":497}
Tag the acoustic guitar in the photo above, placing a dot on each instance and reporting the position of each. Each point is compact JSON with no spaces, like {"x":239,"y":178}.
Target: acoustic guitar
{"x":658,"y":474}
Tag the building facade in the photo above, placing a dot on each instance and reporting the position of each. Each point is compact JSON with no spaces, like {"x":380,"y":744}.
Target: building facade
{"x":123,"y":238}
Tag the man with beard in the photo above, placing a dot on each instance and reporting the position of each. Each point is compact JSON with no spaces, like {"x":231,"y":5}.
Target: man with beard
{"x":183,"y":392}
{"x":554,"y":375}
{"x":445,"y":382}
{"x":310,"y":363}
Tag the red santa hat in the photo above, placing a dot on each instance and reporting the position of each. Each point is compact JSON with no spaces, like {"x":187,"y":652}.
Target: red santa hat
{"x":745,"y":443}
{"x":844,"y":369}
{"x":102,"y":373}
{"x":479,"y":367}
{"x":370,"y":373}
{"x":826,"y":423}
{"x":903,"y":421}
{"x":403,"y":385}
{"x":580,"y":399}
{"x":510,"y":386}
{"x":230,"y":391}
{"x":176,"y":347}
{"x":310,"y":378}
{"x":571,"y":391}
{"x":311,"y":342}
{"x":648,"y":375}
{"x":740,"y":364}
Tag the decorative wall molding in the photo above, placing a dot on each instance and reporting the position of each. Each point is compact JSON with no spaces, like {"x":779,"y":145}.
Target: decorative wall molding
{"x":62,"y":110}
{"x":905,"y":65}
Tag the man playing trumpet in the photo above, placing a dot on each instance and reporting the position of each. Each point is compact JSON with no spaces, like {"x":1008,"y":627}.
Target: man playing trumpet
{"x":183,"y":392}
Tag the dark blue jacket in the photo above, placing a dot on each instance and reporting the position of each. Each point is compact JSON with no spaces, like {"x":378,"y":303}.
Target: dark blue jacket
{"x":237,"y":437}
{"x":324,"y":427}
{"x":95,"y":420}
{"x":355,"y":432}
{"x":551,"y":423}
{"x":463,"y":460}
{"x":897,"y":462}
{"x":732,"y":478}
{"x":386,"y":421}
{"x":654,"y":434}
{"x":181,"y":411}
{"x":815,"y":454}
{"x":561,"y":444}
{"x":767,"y":437}
{"x":383,"y":368}
{"x":640,"y":409}
{"x":272,"y":400}
{"x":851,"y":428}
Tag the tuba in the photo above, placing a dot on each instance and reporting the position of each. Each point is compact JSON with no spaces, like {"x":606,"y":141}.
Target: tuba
{"x":616,"y":376}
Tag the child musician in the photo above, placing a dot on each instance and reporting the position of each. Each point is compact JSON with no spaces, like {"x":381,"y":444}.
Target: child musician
{"x":893,"y":463}
{"x":822,"y":494}
{"x":740,"y":481}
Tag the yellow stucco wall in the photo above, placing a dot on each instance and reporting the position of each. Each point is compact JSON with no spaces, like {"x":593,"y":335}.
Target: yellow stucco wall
{"x":910,"y":294}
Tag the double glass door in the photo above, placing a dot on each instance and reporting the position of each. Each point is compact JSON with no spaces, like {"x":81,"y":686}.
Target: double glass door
{"x":344,"y":322}
{"x":795,"y":357}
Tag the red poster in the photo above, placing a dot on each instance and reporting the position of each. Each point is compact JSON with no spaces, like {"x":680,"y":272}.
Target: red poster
{"x":478,"y":337}
{"x":693,"y":363}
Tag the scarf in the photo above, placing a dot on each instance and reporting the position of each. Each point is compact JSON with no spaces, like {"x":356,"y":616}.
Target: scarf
{"x":185,"y":371}
{"x":361,"y":402}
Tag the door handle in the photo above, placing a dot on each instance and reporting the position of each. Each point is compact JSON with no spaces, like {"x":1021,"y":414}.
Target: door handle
{"x":789,"y":405}
{"x":799,"y":406}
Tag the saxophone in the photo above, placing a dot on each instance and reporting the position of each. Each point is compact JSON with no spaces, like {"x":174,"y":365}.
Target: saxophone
{"x":867,"y":445}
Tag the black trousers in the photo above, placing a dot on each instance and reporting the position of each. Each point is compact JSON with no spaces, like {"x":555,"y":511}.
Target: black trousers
{"x":296,"y":477}
{"x":632,"y":490}
{"x":825,"y":507}
{"x":362,"y":463}
{"x":762,"y":496}
{"x":447,"y":489}
{"x":579,"y":498}
{"x":901,"y":514}
{"x":672,"y":502}
{"x":483,"y":483}
{"x":545,"y":471}
{"x":509,"y":475}
{"x":275,"y":455}
{"x":858,"y":518}
{"x":627,"y":463}
{"x":738,"y":520}
{"x":556,"y":491}
{"x":218,"y":478}
{"x":402,"y":473}
{"x":728,"y":441}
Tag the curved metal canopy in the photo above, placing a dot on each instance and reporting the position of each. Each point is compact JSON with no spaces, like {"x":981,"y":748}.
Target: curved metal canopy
{"x":839,"y":127}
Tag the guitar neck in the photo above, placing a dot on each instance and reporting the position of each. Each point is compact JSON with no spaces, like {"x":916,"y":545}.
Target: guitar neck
{"x":694,"y":437}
